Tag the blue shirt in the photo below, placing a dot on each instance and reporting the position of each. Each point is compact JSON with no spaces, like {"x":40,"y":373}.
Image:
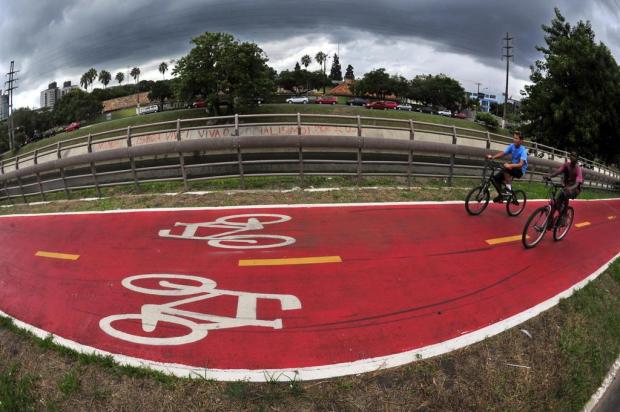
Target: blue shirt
{"x":518,"y":154}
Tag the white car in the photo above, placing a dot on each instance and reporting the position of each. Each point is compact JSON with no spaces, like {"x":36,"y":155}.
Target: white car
{"x":445,"y":113}
{"x":297,"y":100}
{"x":147,"y":109}
{"x":404,"y":106}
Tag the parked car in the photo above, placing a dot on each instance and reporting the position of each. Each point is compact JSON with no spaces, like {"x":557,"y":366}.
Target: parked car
{"x":445,"y":112}
{"x":199,"y":103}
{"x":460,"y":115}
{"x":357,"y":101}
{"x":147,"y":109}
{"x":426,"y":109}
{"x":73,"y":126}
{"x":326,"y":100}
{"x":297,"y":100}
{"x":404,"y":106}
{"x":381,"y":105}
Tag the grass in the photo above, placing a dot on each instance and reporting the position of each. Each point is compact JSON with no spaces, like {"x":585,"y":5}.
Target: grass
{"x":16,"y":392}
{"x":127,"y":117}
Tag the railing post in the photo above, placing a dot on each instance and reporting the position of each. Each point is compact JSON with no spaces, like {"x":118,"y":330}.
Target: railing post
{"x":6,"y":191}
{"x":301,"y":162}
{"x":298,"y":124}
{"x":93,"y":170}
{"x":236,"y":124}
{"x":359,"y":126}
{"x":529,"y":183}
{"x":132,"y":161}
{"x":452,"y":157}
{"x":240,"y":161}
{"x":19,"y":180}
{"x":410,"y":154}
{"x":488,"y":140}
{"x":182,"y":158}
{"x":360,"y":144}
{"x":36,"y":153}
{"x":62,"y":171}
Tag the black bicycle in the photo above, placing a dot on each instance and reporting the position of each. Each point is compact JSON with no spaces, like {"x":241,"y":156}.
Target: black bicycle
{"x":541,"y":220}
{"x":478,"y":198}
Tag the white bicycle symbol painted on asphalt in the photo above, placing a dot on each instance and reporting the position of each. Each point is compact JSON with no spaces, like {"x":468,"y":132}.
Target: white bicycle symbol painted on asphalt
{"x":198,"y":324}
{"x":233,"y":239}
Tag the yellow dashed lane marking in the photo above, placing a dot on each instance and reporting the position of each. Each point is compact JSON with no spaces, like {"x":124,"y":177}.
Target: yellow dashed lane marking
{"x":55,"y":255}
{"x":506,"y":239}
{"x":290,"y":261}
{"x":582,"y":224}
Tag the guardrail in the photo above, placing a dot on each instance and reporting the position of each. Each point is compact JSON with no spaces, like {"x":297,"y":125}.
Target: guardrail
{"x":184,"y":150}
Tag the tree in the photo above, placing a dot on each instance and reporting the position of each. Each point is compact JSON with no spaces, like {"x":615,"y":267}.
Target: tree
{"x":160,"y":91}
{"x":135,"y":73}
{"x":105,"y":77}
{"x":376,"y":82}
{"x":439,"y":90}
{"x":84,"y":82}
{"x":306,"y":60}
{"x":76,"y":105}
{"x":88,"y":78}
{"x":224,"y":71}
{"x":349,"y":74}
{"x":163,"y":68}
{"x":301,"y":81}
{"x":336,"y":71}
{"x":120,"y":76}
{"x":297,"y":67}
{"x":321,"y":59}
{"x":573,"y":102}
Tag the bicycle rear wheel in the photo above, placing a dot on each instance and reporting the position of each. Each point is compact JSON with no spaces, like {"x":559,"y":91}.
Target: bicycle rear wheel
{"x":516,"y":203}
{"x":535,"y":228}
{"x":561,"y":229}
{"x":477,"y":200}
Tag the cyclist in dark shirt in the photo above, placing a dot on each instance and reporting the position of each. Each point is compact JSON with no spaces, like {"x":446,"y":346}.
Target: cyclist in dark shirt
{"x":573,"y":178}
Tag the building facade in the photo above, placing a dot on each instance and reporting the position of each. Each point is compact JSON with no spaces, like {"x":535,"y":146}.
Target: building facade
{"x":50,"y":95}
{"x":484,"y":99}
{"x":67,"y":87}
{"x":4,"y":106}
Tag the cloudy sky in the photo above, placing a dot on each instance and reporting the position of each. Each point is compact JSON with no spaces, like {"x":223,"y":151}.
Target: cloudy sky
{"x":58,"y":40}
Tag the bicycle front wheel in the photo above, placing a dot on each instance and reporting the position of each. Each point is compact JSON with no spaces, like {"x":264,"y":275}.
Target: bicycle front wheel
{"x":564,"y":224}
{"x":477,"y":200}
{"x":535,"y":228}
{"x":516,"y":203}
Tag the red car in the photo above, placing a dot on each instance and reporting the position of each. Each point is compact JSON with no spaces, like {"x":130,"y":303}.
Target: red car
{"x":73,"y":126}
{"x":382,"y":105}
{"x":460,"y":115}
{"x":326,"y":100}
{"x":198,"y":103}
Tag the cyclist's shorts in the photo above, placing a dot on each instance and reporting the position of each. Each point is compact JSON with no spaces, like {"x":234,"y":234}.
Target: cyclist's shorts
{"x":518,"y":173}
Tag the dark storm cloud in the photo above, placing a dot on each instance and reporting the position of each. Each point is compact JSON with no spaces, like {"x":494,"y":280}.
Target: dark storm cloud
{"x":70,"y":35}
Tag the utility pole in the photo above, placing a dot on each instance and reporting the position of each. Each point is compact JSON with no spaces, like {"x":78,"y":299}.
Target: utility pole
{"x":10,"y":87}
{"x":507,"y":56}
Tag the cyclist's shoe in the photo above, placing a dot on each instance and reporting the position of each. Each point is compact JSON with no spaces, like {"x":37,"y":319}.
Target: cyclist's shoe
{"x":498,"y":199}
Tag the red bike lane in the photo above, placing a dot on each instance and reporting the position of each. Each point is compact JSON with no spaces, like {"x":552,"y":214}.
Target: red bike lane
{"x":317,"y":291}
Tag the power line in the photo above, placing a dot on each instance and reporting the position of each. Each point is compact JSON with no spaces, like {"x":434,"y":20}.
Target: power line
{"x":507,"y":56}
{"x":10,"y":87}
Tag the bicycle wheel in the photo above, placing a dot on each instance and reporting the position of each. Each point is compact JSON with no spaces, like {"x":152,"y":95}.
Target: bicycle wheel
{"x":561,"y":229}
{"x":516,"y":204}
{"x":477,"y":200}
{"x":535,"y":228}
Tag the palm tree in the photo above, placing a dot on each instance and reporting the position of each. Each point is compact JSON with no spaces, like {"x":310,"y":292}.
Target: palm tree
{"x":321,"y":58}
{"x":105,"y":77}
{"x":84,"y":81}
{"x":306,"y":60}
{"x":135,"y":73}
{"x":163,"y":68}
{"x":92,"y":75}
{"x":120,"y":76}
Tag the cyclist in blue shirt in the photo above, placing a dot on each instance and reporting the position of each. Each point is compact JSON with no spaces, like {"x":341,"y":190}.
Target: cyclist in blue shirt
{"x":516,"y":168}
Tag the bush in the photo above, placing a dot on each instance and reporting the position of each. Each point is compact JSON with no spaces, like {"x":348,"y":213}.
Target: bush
{"x":487,"y":119}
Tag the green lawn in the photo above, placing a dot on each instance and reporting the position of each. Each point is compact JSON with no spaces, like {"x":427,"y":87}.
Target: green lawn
{"x":127,"y":117}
